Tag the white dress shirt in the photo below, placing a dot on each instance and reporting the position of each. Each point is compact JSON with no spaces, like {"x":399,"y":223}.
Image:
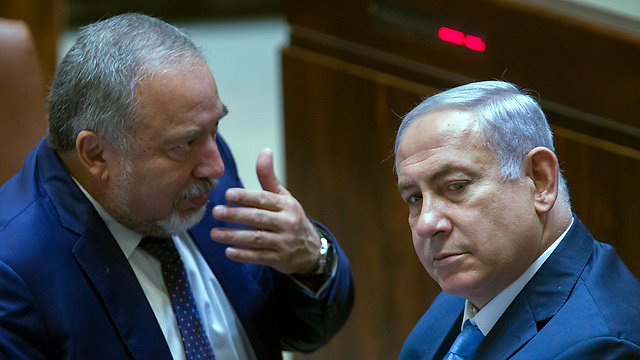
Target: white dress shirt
{"x":487,"y":317}
{"x":225,"y":332}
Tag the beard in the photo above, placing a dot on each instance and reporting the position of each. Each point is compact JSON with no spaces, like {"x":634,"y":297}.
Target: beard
{"x":171,"y":225}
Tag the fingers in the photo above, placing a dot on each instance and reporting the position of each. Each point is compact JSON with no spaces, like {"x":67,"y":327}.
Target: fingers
{"x":281,"y":236}
{"x":253,"y":256}
{"x":253,"y":239}
{"x":271,"y":220}
{"x":287,"y":255}
{"x":266,"y":173}
{"x":255,"y":198}
{"x":249,"y":246}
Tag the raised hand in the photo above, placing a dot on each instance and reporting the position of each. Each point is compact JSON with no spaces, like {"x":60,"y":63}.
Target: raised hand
{"x":281,"y":236}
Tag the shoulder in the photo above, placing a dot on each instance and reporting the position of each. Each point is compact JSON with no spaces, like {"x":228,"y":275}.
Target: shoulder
{"x":606,"y":347}
{"x":434,"y":326}
{"x":614,"y":293}
{"x":596,"y":282}
{"x":602,"y":310}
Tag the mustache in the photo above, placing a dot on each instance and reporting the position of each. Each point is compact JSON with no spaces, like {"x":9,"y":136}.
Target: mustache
{"x":200,"y":188}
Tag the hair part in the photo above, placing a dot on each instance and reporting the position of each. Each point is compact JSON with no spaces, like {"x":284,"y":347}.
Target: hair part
{"x":96,"y":85}
{"x":511,"y":122}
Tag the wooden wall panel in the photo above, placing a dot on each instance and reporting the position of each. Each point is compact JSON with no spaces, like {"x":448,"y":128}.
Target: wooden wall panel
{"x":568,"y":60}
{"x":46,"y":21}
{"x":342,"y":172}
{"x":602,"y":179}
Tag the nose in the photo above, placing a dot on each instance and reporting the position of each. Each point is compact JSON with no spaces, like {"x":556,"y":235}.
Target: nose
{"x":432,"y":221}
{"x":209,"y":163}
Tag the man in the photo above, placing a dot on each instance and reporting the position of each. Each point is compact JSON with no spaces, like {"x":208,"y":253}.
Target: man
{"x":491,"y":222}
{"x":133,"y":152}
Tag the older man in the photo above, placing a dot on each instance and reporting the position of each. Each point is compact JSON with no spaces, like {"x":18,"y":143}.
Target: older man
{"x":106,"y":247}
{"x":491,"y":222}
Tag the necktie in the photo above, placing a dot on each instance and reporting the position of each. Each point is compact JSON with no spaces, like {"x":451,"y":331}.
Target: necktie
{"x":466,"y":343}
{"x":194,"y":339}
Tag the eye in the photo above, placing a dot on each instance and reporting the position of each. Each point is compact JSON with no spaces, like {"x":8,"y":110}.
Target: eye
{"x":456,"y":186}
{"x":185,"y":147}
{"x":413,"y":199}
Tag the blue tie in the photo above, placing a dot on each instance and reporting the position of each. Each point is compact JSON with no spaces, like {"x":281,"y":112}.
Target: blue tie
{"x":194,"y":339}
{"x":466,"y":343}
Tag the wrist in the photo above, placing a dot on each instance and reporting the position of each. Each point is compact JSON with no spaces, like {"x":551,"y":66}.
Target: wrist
{"x":325,"y":259}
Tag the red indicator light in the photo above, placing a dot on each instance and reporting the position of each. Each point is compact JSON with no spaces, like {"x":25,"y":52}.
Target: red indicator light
{"x":456,"y":37}
{"x":451,"y":35}
{"x":474,"y":43}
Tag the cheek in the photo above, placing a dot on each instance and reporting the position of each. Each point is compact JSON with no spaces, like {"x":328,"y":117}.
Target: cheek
{"x":153,"y":197}
{"x":423,"y":251}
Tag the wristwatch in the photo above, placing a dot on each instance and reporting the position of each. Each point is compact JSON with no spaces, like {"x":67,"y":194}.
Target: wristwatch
{"x":325,"y":252}
{"x":325,"y":260}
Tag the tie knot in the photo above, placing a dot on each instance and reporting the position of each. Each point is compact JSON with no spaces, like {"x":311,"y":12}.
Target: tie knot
{"x":162,"y":248}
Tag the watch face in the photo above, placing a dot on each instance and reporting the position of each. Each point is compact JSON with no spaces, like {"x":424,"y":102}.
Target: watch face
{"x":324,"y":247}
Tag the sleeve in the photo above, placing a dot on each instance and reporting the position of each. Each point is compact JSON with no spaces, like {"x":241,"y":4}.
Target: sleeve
{"x":315,"y":319}
{"x":22,"y":334}
{"x":306,"y":321}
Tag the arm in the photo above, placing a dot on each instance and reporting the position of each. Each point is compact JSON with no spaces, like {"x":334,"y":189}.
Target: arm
{"x":280,"y":235}
{"x":310,"y":322}
{"x":21,"y":331}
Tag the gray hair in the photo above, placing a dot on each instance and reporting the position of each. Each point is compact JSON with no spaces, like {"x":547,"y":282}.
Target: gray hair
{"x":97,"y":82}
{"x":511,"y":121}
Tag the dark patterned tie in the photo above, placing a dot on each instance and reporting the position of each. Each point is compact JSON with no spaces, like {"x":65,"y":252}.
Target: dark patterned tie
{"x":466,"y":343}
{"x":195,"y":341}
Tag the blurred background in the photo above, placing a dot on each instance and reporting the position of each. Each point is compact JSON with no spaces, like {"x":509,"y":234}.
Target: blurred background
{"x":241,"y":39}
{"x":243,"y":54}
{"x":324,"y":83}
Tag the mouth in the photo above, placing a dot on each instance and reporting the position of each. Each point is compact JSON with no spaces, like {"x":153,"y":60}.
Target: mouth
{"x":446,"y":258}
{"x":199,"y":201}
{"x":196,"y":195}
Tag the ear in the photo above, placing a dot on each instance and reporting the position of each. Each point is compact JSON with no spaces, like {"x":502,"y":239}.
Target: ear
{"x":542,"y":169}
{"x":95,"y":154}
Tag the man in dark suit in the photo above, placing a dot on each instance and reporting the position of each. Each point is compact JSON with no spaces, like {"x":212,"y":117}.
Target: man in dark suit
{"x":491,"y":222}
{"x":133,"y":161}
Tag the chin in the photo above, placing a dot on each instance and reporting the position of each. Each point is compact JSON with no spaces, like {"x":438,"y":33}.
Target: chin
{"x":177,"y":223}
{"x":457,"y":286}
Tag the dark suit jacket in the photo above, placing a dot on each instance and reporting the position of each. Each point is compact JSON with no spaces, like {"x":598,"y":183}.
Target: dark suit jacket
{"x":68,"y":292}
{"x":583,"y":303}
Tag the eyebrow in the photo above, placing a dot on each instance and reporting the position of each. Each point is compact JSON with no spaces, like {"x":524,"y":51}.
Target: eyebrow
{"x":441,"y":173}
{"x":191,"y":134}
{"x":405,"y":185}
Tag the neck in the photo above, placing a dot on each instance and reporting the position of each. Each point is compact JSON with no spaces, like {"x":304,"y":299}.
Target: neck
{"x":82,"y":176}
{"x":556,"y":222}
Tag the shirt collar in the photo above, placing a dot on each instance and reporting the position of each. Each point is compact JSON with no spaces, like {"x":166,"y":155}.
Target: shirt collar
{"x":487,"y":317}
{"x":126,"y":238}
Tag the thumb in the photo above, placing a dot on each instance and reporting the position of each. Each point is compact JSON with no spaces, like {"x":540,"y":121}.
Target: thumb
{"x":266,"y":173}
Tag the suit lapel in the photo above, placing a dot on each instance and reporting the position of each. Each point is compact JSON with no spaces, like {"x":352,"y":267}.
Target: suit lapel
{"x":446,"y":338}
{"x":552,"y":285}
{"x":107,"y":268}
{"x":541,"y":298}
{"x":512,"y":331}
{"x":102,"y":260}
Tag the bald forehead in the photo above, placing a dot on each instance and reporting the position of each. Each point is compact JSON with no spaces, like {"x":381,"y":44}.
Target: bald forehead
{"x":437,"y":128}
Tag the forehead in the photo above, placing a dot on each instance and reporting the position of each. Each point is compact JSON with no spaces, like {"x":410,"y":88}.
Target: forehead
{"x":439,"y":128}
{"x":180,"y":96}
{"x":443,"y":138}
{"x":179,"y":86}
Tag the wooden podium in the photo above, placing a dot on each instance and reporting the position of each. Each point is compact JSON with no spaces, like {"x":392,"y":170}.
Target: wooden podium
{"x":353,"y":68}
